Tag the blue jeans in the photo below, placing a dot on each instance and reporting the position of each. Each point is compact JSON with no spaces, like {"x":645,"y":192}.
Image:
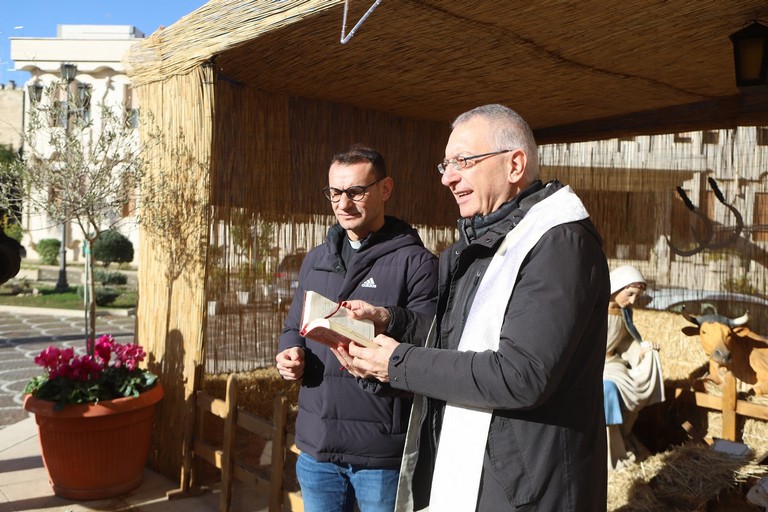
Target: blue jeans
{"x":331,"y":487}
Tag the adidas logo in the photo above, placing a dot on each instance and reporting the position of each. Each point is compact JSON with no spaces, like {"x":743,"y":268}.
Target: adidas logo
{"x":368,"y":283}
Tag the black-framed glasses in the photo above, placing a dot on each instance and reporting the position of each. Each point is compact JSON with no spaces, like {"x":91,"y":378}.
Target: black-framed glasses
{"x":356,"y":193}
{"x":462,"y":162}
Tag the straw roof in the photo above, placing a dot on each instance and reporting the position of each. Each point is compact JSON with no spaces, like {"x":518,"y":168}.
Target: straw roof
{"x":575,"y":70}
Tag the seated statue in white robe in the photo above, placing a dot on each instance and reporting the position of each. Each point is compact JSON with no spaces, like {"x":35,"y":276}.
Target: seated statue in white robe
{"x":632,"y":376}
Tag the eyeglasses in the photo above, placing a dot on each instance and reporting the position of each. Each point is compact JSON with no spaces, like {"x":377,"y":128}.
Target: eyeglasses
{"x":462,"y":162}
{"x":355,"y":193}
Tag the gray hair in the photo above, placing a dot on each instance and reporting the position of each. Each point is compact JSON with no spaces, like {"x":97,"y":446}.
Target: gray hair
{"x":510,"y":131}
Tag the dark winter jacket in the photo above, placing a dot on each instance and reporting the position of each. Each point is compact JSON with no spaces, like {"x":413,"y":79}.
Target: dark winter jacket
{"x":10,"y":257}
{"x":339,"y":420}
{"x":546,"y":447}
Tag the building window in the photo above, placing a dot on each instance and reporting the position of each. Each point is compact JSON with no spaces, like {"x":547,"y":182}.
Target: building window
{"x":683,"y":138}
{"x":129,"y":197}
{"x":59,"y":114}
{"x":762,"y":136}
{"x":710,"y":137}
{"x":84,"y":92}
{"x":131,"y":107}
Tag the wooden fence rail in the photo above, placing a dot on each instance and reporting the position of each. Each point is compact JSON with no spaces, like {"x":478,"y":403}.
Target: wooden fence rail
{"x":728,"y":405}
{"x":223,"y":457}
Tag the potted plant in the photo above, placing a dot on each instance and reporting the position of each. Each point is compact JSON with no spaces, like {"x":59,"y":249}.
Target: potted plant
{"x":94,"y":414}
{"x":247,"y":276}
{"x":217,"y":288}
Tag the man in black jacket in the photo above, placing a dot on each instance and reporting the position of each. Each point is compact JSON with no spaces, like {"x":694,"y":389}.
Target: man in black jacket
{"x":508,"y":412}
{"x":351,"y":433}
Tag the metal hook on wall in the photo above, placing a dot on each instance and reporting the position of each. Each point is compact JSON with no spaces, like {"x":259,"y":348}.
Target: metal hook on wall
{"x":739,"y":220}
{"x":704,"y":242}
{"x":708,"y":231}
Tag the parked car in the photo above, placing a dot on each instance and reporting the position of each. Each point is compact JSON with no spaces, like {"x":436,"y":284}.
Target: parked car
{"x":702,"y":302}
{"x":285,"y":280}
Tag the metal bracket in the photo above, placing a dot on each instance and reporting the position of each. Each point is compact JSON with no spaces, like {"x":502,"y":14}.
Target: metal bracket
{"x":346,"y":37}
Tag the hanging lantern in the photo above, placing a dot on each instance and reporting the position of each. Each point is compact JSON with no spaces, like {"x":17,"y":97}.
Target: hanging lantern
{"x":68,"y":72}
{"x":750,"y":55}
{"x":36,"y":92}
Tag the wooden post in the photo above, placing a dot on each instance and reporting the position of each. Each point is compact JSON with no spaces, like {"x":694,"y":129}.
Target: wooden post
{"x":193,"y":429}
{"x":187,"y":445}
{"x":227,"y":460}
{"x":278,"y":453}
{"x":729,"y":407}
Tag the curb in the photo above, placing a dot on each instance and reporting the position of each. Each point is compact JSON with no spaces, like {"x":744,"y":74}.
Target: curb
{"x":65,"y":312}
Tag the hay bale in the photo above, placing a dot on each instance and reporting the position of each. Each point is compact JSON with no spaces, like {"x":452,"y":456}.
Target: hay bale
{"x":688,"y":477}
{"x":681,"y":356}
{"x":257,"y":390}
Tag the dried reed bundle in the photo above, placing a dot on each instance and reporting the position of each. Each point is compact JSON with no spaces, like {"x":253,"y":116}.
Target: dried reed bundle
{"x":686,"y":478}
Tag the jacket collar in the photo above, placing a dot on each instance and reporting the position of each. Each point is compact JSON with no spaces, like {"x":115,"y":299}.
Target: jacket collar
{"x":506,"y":217}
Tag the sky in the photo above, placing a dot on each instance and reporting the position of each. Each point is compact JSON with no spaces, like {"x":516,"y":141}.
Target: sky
{"x":39,"y":18}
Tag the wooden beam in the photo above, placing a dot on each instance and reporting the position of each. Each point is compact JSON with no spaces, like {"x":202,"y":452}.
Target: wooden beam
{"x":729,"y":407}
{"x":748,"y":109}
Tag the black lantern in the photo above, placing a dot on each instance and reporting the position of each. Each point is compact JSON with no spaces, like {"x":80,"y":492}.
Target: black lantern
{"x":750,"y":55}
{"x":68,"y":72}
{"x":36,"y":92}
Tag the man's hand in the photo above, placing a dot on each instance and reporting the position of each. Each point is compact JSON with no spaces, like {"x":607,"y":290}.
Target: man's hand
{"x":290,"y":363}
{"x":346,"y":361}
{"x":372,"y":362}
{"x":362,"y":310}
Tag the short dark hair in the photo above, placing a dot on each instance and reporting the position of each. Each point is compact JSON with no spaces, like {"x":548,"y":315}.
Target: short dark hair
{"x":359,"y":153}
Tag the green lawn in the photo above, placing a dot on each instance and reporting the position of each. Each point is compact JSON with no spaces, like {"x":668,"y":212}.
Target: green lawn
{"x":49,"y":298}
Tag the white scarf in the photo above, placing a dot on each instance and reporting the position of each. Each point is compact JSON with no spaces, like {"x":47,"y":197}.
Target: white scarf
{"x":464,"y":435}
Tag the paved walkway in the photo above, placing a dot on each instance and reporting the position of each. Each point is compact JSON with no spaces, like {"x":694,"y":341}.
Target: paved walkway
{"x":23,"y":479}
{"x":24,"y":333}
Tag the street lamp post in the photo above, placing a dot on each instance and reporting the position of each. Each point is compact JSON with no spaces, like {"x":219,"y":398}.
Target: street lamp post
{"x":68,"y":73}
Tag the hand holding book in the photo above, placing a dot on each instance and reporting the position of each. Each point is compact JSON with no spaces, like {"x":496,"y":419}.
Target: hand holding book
{"x":362,"y":310}
{"x":327,"y":322}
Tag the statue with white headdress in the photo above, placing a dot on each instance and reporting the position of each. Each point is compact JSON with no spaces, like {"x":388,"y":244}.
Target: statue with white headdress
{"x":632,"y":377}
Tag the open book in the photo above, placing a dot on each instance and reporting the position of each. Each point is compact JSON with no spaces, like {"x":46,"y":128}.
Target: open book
{"x":326,"y":322}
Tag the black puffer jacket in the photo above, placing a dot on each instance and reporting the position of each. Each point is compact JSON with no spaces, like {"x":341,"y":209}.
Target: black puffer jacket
{"x":546,"y":448}
{"x":338,"y":421}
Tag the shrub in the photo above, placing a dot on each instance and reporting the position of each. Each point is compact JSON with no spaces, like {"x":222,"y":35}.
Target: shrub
{"x":105,"y":278}
{"x":104,"y":296}
{"x":112,"y":247}
{"x":48,"y":249}
{"x":13,"y":230}
{"x":739,"y":285}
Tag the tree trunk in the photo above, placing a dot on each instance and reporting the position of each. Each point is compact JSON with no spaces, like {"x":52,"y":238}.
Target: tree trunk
{"x":89,"y":298}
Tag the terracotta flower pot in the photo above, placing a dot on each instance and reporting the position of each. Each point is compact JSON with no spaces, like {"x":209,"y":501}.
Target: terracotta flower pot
{"x":95,"y":451}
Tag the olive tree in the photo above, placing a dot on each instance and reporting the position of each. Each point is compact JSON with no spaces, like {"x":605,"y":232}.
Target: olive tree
{"x":76,"y":168}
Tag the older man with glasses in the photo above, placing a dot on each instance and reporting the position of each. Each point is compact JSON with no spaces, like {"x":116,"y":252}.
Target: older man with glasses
{"x":351,"y":431}
{"x":508,"y":412}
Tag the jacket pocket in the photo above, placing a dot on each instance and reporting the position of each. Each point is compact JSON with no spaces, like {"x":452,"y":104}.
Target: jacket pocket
{"x":508,"y":462}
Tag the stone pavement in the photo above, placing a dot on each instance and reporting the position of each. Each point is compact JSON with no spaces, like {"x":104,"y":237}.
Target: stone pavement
{"x":24,"y":482}
{"x":25,"y":332}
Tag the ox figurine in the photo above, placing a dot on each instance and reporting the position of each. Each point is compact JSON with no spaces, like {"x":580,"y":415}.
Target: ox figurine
{"x":730,"y":345}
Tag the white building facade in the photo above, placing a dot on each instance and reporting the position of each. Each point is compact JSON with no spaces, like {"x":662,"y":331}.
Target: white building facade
{"x":95,"y":51}
{"x":11,"y":114}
